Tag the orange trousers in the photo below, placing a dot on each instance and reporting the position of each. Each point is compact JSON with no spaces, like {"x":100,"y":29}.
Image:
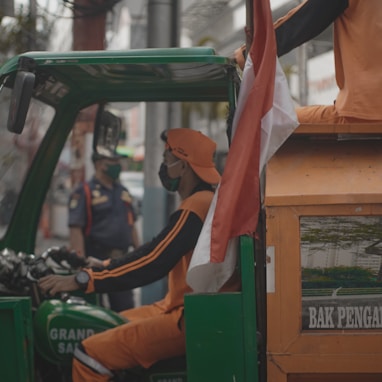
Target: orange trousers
{"x":149,"y":336}
{"x":326,"y":114}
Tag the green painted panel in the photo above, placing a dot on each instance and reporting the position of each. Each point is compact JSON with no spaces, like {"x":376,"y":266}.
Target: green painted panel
{"x":16,"y":350}
{"x":221,"y":329}
{"x":214,"y":337}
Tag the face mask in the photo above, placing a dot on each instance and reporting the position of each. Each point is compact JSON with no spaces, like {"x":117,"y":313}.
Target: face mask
{"x":170,"y":184}
{"x":113,"y":171}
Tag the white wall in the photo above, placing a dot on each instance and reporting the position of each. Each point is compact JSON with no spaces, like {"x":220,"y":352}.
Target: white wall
{"x":322,"y":84}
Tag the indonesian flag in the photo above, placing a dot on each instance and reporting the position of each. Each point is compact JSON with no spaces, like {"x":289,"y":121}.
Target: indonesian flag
{"x":263,"y":120}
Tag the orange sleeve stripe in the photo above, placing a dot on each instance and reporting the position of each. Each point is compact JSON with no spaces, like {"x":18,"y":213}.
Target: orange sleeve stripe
{"x":90,"y":287}
{"x":139,"y":263}
{"x":286,"y":17}
{"x":149,"y":257}
{"x":130,"y":218}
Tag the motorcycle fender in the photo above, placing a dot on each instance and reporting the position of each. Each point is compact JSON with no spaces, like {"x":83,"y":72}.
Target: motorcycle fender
{"x":60,"y":326}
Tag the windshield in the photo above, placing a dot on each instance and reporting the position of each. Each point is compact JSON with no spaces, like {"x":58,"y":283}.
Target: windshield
{"x":17,"y":152}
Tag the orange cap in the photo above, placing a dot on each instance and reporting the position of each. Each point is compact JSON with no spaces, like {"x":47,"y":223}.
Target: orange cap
{"x":196,"y":149}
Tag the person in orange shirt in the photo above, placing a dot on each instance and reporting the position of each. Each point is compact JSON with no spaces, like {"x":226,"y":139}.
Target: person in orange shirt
{"x":357,"y":54}
{"x":156,"y":331}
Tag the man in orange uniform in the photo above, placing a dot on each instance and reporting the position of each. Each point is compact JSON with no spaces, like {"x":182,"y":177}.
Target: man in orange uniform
{"x":156,"y":331}
{"x":357,"y":53}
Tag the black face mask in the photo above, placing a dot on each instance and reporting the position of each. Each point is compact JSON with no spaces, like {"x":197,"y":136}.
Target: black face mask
{"x":170,"y":184}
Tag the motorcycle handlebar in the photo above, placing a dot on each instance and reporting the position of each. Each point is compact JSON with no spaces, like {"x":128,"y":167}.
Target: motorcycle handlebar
{"x":17,"y":270}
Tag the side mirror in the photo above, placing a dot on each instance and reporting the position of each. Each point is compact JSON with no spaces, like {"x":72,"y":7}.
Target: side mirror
{"x":107,"y":130}
{"x":20,"y":100}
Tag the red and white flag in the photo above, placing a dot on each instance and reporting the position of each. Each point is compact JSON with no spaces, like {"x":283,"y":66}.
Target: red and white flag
{"x":264,"y":119}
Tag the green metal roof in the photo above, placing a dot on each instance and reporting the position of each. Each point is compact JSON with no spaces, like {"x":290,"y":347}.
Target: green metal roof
{"x":173,"y":74}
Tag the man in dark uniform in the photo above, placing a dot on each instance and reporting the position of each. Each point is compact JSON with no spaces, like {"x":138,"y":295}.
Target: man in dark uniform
{"x":155,"y":331}
{"x":101,"y":219}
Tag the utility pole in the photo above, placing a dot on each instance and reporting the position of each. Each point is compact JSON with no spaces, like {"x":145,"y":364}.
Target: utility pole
{"x":89,"y":25}
{"x":32,"y":30}
{"x":302,"y":63}
{"x":163,"y":32}
{"x":302,"y":59}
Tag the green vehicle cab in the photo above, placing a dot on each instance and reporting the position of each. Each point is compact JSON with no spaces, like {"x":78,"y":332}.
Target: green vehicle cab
{"x":42,"y":94}
{"x":61,"y":85}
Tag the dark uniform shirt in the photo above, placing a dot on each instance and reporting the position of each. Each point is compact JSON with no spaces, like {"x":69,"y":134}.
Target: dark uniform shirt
{"x":111,"y":220}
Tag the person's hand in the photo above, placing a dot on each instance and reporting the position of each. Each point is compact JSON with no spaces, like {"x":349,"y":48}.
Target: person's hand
{"x":53,"y":284}
{"x":93,"y":262}
{"x":239,"y":56}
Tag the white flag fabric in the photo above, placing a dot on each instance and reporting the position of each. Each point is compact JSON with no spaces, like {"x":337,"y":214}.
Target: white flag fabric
{"x":204,"y":275}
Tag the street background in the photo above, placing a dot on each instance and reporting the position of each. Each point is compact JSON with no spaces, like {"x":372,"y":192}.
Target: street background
{"x":57,"y":25}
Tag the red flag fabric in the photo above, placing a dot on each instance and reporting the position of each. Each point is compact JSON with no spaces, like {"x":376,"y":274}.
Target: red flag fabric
{"x":263,"y":120}
{"x":238,"y":202}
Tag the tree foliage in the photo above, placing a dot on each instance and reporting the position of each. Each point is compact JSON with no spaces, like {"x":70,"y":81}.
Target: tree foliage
{"x":338,"y":273}
{"x":335,"y":277}
{"x":22,"y":34}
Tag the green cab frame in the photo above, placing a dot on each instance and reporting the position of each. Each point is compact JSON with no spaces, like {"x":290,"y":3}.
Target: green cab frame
{"x":72,"y":81}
